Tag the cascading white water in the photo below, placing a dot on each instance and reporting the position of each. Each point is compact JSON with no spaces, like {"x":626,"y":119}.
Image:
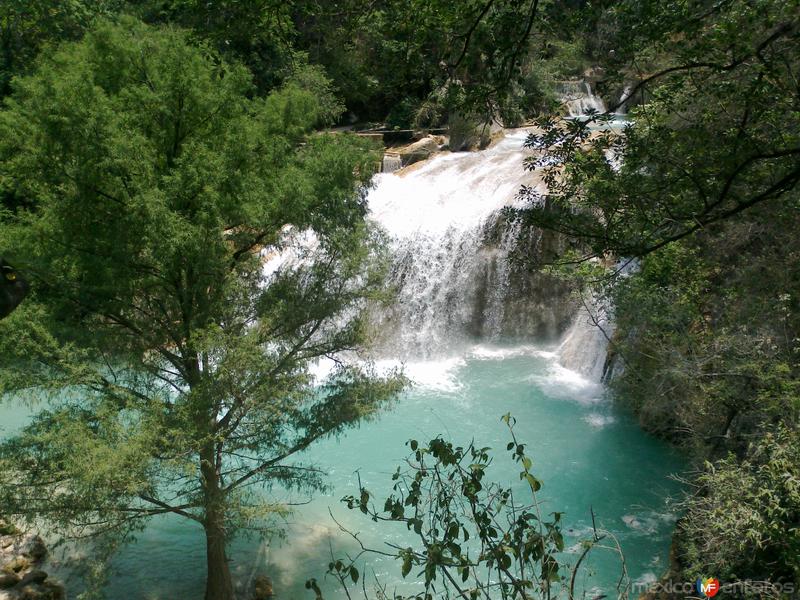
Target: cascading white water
{"x":624,"y":100}
{"x":451,"y":249}
{"x":579,"y":98}
{"x":391,"y":163}
{"x":579,"y":101}
{"x":585,"y":346}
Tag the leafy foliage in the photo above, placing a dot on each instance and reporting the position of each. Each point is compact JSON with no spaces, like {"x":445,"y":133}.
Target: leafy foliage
{"x":718,"y":136}
{"x":748,"y":511}
{"x":174,"y":366}
{"x":28,"y":25}
{"x":700,"y":188}
{"x":476,"y":538}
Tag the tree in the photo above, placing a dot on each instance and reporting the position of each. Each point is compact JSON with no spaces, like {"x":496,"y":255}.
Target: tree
{"x":702,"y":188}
{"x":753,"y":506}
{"x":259,"y":33}
{"x":27,"y":25}
{"x":174,"y":366}
{"x":719,"y":134}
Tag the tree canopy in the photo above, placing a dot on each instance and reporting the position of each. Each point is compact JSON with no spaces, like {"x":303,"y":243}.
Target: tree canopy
{"x":717,"y":136}
{"x":174,"y":365}
{"x":699,"y":193}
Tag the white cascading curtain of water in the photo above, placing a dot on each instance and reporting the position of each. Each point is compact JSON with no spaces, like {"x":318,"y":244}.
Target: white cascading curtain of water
{"x":585,"y":346}
{"x":391,"y":163}
{"x":450,"y":252}
{"x":579,"y":99}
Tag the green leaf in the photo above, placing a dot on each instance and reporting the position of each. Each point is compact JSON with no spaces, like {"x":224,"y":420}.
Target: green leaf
{"x":534,"y":483}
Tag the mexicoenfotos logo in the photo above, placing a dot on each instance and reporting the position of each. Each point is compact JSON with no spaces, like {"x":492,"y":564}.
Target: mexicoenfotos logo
{"x":707,"y":586}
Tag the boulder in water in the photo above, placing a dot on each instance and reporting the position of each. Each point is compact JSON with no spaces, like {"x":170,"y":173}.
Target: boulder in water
{"x":43,"y":591}
{"x":35,"y":576}
{"x":262,"y":588}
{"x":18,"y":564}
{"x":419,"y":150}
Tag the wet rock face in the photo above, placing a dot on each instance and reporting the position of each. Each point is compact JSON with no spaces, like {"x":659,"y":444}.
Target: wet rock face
{"x":21,"y":576}
{"x":419,"y":150}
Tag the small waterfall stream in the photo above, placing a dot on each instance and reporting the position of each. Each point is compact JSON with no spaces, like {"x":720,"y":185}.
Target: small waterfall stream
{"x":391,"y":163}
{"x":579,"y":98}
{"x":585,"y":346}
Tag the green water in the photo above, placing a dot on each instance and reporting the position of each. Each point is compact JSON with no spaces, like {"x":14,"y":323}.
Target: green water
{"x":588,"y":454}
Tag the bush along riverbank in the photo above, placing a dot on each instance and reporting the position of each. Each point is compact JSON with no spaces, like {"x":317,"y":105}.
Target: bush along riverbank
{"x":708,"y":333}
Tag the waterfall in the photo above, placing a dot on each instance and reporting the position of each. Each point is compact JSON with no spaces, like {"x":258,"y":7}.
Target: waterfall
{"x":452,"y":266}
{"x":624,"y":99}
{"x":579,"y":98}
{"x":585,"y":346}
{"x":451,"y":248}
{"x":391,"y":163}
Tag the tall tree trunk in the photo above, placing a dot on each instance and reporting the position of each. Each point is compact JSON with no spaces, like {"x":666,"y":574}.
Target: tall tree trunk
{"x":219,"y":585}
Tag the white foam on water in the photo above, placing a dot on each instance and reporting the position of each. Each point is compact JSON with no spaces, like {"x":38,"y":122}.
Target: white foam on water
{"x":439,"y":375}
{"x":488,"y":352}
{"x":598,"y":420}
{"x":321,"y":369}
{"x":648,"y":522}
{"x":306,"y":541}
{"x":560,"y":382}
{"x":644,"y":580}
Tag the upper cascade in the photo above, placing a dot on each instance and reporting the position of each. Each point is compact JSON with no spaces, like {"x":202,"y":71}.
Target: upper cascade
{"x":580,"y":99}
{"x":451,"y":255}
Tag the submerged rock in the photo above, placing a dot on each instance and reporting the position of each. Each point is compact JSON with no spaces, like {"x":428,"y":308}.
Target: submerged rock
{"x":35,"y":576}
{"x":44,"y":591}
{"x":8,"y":580}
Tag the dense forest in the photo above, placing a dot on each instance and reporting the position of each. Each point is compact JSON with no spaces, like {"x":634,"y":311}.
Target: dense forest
{"x":151,"y":150}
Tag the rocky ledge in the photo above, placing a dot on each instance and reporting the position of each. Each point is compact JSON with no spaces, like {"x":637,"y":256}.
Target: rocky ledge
{"x":21,"y":576}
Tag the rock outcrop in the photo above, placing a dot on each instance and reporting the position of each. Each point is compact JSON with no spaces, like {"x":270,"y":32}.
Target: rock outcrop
{"x":419,"y":150}
{"x":21,"y":575}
